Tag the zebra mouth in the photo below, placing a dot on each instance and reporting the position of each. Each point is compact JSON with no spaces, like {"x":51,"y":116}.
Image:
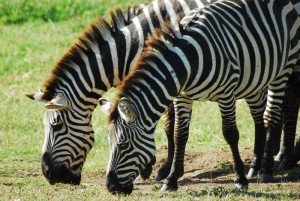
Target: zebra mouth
{"x":61,"y":174}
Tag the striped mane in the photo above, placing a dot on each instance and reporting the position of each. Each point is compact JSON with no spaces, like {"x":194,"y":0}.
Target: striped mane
{"x":98,"y":29}
{"x":157,"y":42}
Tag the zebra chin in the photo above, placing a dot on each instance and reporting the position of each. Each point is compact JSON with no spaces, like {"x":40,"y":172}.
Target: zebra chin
{"x":59,"y":173}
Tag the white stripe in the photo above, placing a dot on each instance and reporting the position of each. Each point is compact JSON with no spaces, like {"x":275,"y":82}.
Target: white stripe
{"x":127,"y":35}
{"x":297,"y":7}
{"x":171,"y":12}
{"x":147,"y":14}
{"x":200,"y":4}
{"x":141,"y":41}
{"x":185,"y":7}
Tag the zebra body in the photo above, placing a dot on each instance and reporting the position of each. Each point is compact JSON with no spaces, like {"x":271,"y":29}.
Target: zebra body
{"x":226,"y":51}
{"x":96,"y":62}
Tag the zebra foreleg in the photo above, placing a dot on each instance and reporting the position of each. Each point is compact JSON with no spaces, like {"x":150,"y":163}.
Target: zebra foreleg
{"x":290,"y":109}
{"x":290,"y":161}
{"x":272,"y":118}
{"x":257,"y":105}
{"x":183,"y":110}
{"x":169,"y":122}
{"x":259,"y":143}
{"x":231,"y":135}
{"x":266,"y":175}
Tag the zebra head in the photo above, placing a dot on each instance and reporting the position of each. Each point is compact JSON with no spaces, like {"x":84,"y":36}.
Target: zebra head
{"x":69,"y":136}
{"x":132,"y":148}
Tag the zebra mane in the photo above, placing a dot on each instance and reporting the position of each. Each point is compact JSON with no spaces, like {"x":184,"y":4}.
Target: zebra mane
{"x":98,"y":29}
{"x":156,"y":43}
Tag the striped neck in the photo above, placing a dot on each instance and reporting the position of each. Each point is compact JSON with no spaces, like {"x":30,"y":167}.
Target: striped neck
{"x":105,"y":53}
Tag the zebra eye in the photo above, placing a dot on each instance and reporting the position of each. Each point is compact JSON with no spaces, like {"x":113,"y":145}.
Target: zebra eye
{"x":57,"y":126}
{"x":123,"y":145}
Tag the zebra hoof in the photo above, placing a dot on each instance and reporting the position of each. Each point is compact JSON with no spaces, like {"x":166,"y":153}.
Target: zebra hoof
{"x":278,"y":158}
{"x":166,"y":188}
{"x":265,"y":178}
{"x":285,"y":165}
{"x":241,"y":186}
{"x":251,"y":172}
{"x":159,"y":179}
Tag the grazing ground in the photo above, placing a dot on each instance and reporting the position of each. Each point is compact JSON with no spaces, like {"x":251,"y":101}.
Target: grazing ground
{"x":33,"y":36}
{"x":208,"y":176}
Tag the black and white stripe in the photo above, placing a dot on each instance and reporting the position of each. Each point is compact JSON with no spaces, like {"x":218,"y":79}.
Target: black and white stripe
{"x":98,"y":61}
{"x":229,"y":50}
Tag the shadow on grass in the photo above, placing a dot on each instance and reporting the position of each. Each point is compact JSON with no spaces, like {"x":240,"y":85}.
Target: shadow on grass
{"x":220,"y":176}
{"x":222,"y":192}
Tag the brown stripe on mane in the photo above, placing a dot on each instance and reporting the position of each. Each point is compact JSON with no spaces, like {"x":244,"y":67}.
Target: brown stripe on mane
{"x":99,"y":28}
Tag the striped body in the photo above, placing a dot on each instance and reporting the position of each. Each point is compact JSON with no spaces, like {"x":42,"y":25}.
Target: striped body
{"x":229,"y":50}
{"x":96,"y":62}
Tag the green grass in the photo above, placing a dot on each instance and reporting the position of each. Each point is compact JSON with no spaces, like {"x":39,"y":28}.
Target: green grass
{"x":20,"y":11}
{"x":34,"y":34}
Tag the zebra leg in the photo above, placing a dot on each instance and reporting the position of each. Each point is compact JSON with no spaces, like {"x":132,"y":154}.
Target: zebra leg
{"x":183,"y":110}
{"x":231,"y":135}
{"x":257,"y":105}
{"x":290,"y":161}
{"x":272,"y":118}
{"x":169,"y":121}
{"x":290,"y":109}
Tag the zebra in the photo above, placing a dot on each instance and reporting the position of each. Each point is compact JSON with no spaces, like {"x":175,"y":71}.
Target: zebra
{"x":96,"y":62}
{"x":226,"y":51}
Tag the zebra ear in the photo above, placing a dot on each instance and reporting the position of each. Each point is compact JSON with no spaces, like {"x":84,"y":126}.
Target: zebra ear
{"x":57,"y":103}
{"x":126,"y":110}
{"x":36,"y":96}
{"x":105,"y":105}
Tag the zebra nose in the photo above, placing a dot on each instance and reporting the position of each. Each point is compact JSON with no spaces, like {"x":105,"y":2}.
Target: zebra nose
{"x":114,"y":186}
{"x":112,"y":181}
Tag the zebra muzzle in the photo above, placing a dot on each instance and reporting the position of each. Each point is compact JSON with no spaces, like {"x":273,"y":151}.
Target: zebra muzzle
{"x":115,"y":187}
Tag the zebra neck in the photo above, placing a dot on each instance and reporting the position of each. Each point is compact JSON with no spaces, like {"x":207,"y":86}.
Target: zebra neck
{"x":153,"y":89}
{"x":118,"y":50}
{"x":111,"y":58}
{"x":132,"y":37}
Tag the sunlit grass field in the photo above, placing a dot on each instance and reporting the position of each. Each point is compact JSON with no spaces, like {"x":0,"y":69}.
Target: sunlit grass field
{"x":33,"y":36}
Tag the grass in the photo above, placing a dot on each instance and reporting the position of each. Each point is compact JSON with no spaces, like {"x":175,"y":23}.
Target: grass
{"x":21,"y":11}
{"x":34,"y":34}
